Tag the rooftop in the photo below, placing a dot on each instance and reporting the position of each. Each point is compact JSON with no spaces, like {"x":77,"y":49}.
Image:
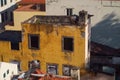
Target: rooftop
{"x":13,"y":36}
{"x":49,"y":20}
{"x":62,"y":20}
{"x":32,"y":2}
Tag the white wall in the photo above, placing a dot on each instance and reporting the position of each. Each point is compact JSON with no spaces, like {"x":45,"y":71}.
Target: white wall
{"x":11,"y":68}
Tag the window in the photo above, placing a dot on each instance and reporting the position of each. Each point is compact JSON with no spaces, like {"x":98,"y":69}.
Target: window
{"x":68,"y":44}
{"x":69,"y":11}
{"x":14,"y":46}
{"x":7,"y":71}
{"x":11,"y":16}
{"x":3,"y":19}
{"x":4,"y":75}
{"x":6,"y":16}
{"x":5,"y":1}
{"x":52,"y":69}
{"x":34,"y":41}
{"x":66,"y":70}
{"x":1,"y":2}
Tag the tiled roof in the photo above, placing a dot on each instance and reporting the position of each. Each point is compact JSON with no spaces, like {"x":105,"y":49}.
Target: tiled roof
{"x":13,"y":36}
{"x":26,"y":8}
{"x":32,"y":2}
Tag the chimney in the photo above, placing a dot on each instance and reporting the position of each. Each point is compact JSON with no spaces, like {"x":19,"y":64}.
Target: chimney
{"x":83,"y":16}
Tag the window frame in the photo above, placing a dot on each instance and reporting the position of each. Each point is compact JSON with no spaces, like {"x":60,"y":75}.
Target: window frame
{"x":70,"y":67}
{"x":69,"y":11}
{"x":52,"y":64}
{"x":29,"y":41}
{"x":63,"y":49}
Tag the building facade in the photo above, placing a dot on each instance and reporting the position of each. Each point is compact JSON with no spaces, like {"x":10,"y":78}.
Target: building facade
{"x":58,"y":42}
{"x":6,"y":11}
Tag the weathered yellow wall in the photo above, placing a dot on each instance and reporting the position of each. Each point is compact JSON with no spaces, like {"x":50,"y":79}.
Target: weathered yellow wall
{"x":51,"y":45}
{"x":6,"y":54}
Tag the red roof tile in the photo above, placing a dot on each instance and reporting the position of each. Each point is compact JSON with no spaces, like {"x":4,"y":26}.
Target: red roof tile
{"x":26,"y":8}
{"x":32,"y":2}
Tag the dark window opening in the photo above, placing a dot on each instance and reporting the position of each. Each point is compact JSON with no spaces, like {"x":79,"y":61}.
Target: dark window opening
{"x":1,"y":2}
{"x":3,"y":19}
{"x":14,"y":46}
{"x":6,"y":16}
{"x":52,"y":69}
{"x":4,"y":75}
{"x":69,"y":11}
{"x":34,"y":41}
{"x":11,"y":16}
{"x":68,"y":44}
{"x":5,"y":2}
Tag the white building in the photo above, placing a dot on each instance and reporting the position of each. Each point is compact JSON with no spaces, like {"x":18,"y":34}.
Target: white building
{"x":7,"y":70}
{"x":6,"y":11}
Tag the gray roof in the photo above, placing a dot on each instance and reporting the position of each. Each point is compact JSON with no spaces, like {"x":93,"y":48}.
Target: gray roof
{"x":12,"y":36}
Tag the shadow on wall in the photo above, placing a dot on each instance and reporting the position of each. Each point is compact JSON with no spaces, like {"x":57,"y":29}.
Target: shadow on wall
{"x":107,"y":31}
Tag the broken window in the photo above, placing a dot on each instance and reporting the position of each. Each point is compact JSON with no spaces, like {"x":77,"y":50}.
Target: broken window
{"x":52,"y":69}
{"x":34,"y":41}
{"x":14,"y":46}
{"x":68,"y":44}
{"x":69,"y":11}
{"x":66,"y":70}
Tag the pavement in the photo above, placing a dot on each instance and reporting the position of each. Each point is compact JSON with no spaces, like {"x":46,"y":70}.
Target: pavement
{"x":99,"y":76}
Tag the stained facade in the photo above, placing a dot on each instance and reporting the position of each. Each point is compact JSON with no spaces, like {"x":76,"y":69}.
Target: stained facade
{"x":56,"y":41}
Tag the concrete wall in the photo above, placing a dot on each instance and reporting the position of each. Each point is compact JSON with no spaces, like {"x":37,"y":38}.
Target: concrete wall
{"x":7,"y":70}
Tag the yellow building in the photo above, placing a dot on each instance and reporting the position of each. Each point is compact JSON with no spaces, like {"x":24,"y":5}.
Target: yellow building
{"x":58,"y":42}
